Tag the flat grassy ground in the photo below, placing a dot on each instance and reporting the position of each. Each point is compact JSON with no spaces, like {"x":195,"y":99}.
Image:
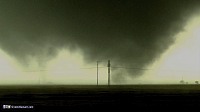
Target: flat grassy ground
{"x":47,"y":97}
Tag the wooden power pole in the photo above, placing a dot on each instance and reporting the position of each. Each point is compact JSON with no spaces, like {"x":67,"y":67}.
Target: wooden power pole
{"x":97,"y":74}
{"x":108,"y":72}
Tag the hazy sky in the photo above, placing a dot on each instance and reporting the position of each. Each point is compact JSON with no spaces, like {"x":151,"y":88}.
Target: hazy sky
{"x":54,"y":40}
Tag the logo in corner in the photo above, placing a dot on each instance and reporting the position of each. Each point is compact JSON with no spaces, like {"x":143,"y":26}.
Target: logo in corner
{"x":6,"y":106}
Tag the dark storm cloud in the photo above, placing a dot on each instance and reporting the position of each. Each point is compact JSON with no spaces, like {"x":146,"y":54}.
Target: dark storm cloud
{"x":129,"y":32}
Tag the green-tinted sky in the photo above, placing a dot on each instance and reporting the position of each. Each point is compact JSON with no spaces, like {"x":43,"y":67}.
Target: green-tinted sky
{"x":132,"y":33}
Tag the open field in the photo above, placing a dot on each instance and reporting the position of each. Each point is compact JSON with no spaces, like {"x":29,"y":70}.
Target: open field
{"x":91,"y":96}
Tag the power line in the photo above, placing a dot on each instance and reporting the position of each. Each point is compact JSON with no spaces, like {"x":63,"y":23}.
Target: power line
{"x":35,"y":70}
{"x":98,"y":67}
{"x":132,"y":68}
{"x":61,"y":70}
{"x":92,"y":67}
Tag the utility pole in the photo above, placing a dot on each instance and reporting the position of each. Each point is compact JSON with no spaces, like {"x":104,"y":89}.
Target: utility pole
{"x":108,"y":72}
{"x":97,"y":73}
